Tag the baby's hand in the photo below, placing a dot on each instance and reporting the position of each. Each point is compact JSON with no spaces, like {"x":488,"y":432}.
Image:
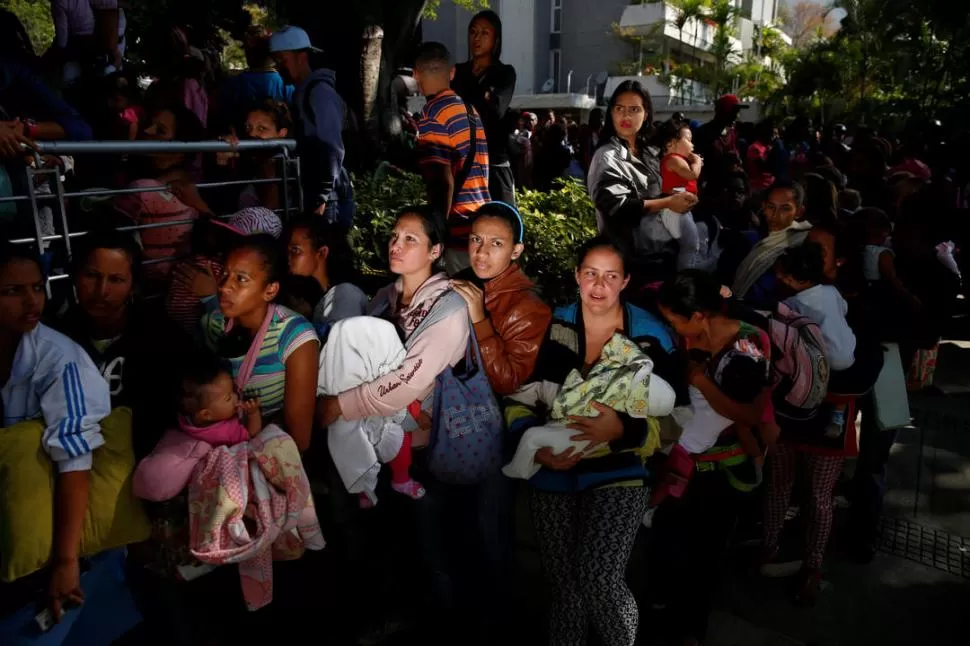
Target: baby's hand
{"x":254,"y":416}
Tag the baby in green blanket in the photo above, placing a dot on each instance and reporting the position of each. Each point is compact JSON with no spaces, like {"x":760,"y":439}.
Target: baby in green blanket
{"x":622,"y":379}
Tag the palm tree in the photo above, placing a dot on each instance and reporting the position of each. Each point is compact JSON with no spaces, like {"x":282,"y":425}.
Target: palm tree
{"x":687,"y":11}
{"x":724,"y":15}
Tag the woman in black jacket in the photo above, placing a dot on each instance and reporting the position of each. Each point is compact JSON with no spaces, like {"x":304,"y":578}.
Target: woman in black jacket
{"x":488,"y":85}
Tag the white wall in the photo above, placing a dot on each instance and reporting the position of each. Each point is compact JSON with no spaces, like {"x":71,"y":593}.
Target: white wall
{"x":518,"y":41}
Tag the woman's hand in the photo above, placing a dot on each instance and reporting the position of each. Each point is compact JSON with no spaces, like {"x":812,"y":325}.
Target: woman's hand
{"x":65,"y":586}
{"x":602,"y":429}
{"x":11,"y":136}
{"x":328,"y":410}
{"x":201,"y":281}
{"x":681,"y":202}
{"x":558,"y":462}
{"x":695,"y":372}
{"x":224,"y":159}
{"x":474,"y":298}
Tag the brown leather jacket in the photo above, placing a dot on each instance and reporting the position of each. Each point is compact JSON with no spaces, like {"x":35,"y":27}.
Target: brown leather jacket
{"x":510,"y":336}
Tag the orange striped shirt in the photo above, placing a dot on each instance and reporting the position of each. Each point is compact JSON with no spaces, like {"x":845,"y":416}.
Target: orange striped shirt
{"x":444,"y":137}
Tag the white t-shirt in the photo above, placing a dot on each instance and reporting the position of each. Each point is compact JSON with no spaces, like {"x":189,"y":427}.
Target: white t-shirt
{"x":824,"y":305}
{"x":76,"y":18}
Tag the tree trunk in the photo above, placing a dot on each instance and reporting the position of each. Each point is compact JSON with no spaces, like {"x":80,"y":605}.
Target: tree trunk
{"x":364,"y":66}
{"x":370,"y":74}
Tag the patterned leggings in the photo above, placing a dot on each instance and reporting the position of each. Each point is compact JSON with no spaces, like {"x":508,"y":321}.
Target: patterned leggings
{"x":585,"y":540}
{"x":823,"y":472}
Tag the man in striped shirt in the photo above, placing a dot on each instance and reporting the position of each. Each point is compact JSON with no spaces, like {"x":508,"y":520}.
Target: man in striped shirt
{"x":457,"y":184}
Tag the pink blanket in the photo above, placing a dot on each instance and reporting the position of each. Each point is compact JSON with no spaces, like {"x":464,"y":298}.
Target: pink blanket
{"x":250,"y":504}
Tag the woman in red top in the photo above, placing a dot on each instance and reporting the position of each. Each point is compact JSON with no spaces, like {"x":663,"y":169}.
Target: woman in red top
{"x":680,"y":167}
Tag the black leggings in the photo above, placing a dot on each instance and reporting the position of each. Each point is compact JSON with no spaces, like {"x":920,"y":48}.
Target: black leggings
{"x":585,"y":540}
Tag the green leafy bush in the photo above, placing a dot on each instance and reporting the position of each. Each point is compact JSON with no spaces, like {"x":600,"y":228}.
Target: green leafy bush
{"x":556,"y":224}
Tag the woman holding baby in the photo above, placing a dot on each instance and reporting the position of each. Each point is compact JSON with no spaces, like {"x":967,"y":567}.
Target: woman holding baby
{"x":718,"y":456}
{"x":588,"y":501}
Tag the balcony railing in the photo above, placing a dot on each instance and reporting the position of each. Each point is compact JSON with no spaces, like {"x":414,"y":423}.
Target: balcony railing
{"x":657,"y":19}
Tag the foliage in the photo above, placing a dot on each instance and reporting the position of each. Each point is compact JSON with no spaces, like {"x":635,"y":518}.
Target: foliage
{"x":808,"y":22}
{"x":431,"y":9}
{"x":890,"y":59}
{"x":556,"y":223}
{"x":378,"y":199}
{"x":36,"y":18}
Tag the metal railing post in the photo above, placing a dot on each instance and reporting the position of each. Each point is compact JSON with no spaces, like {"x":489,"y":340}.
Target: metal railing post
{"x":285,"y":193}
{"x":299,"y":184}
{"x":31,"y":193}
{"x":62,"y":209}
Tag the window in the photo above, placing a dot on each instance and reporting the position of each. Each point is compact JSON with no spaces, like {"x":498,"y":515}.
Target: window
{"x":555,"y":67}
{"x":556,"y":18}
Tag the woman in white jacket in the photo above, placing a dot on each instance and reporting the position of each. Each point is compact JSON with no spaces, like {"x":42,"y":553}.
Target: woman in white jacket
{"x":46,"y":375}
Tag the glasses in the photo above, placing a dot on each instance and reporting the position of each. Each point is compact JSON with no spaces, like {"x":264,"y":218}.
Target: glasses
{"x":628,"y":110}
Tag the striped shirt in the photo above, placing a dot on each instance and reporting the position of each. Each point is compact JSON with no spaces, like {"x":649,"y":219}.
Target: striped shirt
{"x":53,"y":378}
{"x":287,"y":332}
{"x":182,"y":304}
{"x":445,"y":138}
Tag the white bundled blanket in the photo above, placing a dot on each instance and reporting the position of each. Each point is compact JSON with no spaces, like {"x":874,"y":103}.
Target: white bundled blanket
{"x":359,"y":350}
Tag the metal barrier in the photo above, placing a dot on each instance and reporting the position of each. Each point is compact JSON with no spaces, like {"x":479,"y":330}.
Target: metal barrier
{"x":288,"y":174}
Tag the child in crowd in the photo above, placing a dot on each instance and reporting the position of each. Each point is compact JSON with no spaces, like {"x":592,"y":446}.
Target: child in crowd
{"x":802,"y":269}
{"x":680,"y":169}
{"x":879,"y":261}
{"x":265,"y":120}
{"x":622,"y":380}
{"x":210,"y":406}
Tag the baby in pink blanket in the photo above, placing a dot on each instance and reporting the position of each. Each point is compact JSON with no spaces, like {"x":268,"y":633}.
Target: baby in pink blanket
{"x":211,"y":407}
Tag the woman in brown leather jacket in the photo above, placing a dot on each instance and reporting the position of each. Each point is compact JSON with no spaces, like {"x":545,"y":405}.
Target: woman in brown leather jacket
{"x":510,"y":320}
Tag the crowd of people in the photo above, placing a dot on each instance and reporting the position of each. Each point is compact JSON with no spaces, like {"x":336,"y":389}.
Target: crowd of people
{"x":746,"y":297}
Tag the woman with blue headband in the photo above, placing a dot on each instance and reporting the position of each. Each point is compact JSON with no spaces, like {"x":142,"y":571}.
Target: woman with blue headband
{"x":510,"y":320}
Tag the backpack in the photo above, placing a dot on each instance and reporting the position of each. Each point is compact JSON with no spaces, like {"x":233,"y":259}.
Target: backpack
{"x":799,"y":369}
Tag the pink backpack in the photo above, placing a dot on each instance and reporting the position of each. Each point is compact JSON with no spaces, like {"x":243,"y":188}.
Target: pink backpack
{"x":799,"y":369}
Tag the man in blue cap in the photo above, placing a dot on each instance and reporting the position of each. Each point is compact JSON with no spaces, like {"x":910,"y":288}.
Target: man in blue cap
{"x":320,"y":115}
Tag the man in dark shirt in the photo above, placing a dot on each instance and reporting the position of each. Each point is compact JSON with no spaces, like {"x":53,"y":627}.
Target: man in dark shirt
{"x":716,"y":141}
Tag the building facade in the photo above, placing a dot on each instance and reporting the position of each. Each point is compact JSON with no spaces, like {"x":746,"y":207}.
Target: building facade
{"x":571,"y":47}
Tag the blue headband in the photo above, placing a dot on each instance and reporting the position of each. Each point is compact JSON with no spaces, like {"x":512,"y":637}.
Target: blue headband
{"x":518,"y":217}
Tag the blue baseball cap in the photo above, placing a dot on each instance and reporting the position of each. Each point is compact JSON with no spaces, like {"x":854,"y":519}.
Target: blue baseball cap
{"x":290,"y":39}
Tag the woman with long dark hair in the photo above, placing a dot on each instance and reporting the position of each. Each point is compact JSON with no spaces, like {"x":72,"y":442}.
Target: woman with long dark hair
{"x":320,"y":250}
{"x":625,"y":185}
{"x":45,"y":375}
{"x":135,"y":348}
{"x":728,"y":368}
{"x":587,"y":506}
{"x":488,"y":84}
{"x":245,"y":315}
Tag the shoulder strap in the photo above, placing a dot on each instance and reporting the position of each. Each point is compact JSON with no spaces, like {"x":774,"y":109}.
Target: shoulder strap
{"x":307,"y":107}
{"x":249,"y":361}
{"x":447,"y":304}
{"x":466,"y":168}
